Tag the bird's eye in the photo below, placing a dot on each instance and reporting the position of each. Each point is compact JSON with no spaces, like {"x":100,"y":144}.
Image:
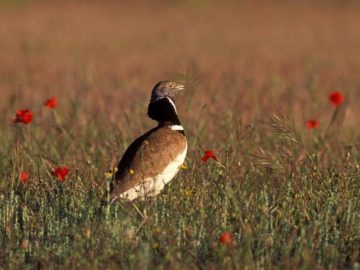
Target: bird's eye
{"x":171,"y":85}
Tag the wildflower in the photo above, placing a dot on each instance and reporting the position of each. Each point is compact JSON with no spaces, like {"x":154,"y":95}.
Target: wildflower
{"x":187,"y":192}
{"x":23,"y":116}
{"x":226,"y":239}
{"x":310,"y":124}
{"x":24,"y":176}
{"x":336,"y":98}
{"x":209,"y":154}
{"x":183,"y":166}
{"x":61,"y":173}
{"x":51,"y":103}
{"x":110,"y":173}
{"x":131,"y":171}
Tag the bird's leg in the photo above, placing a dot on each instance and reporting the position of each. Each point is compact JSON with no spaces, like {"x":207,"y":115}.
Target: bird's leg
{"x":144,"y":217}
{"x":139,"y":212}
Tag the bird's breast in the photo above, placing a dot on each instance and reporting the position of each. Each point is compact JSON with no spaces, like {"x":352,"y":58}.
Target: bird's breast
{"x":152,"y":186}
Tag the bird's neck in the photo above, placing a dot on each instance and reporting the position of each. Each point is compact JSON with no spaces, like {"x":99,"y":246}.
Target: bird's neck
{"x":164,"y":111}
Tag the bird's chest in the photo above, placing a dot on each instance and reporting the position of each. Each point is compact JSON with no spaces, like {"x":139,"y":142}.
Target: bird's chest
{"x":152,"y":186}
{"x":171,"y":169}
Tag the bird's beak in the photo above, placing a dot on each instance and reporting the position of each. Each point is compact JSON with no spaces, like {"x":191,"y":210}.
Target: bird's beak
{"x":180,"y":87}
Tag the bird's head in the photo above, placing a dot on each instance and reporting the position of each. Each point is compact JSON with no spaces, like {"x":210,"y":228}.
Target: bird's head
{"x":166,"y":89}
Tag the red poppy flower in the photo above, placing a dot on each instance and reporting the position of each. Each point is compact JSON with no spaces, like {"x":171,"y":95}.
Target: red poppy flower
{"x":61,"y":173}
{"x":51,"y":103}
{"x":209,"y":154}
{"x":336,"y":98}
{"x":226,"y":239}
{"x":23,"y":116}
{"x":310,"y":124}
{"x":24,"y":176}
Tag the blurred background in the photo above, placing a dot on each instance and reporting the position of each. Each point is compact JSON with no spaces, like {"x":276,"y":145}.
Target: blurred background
{"x":287,"y":193}
{"x":238,"y":58}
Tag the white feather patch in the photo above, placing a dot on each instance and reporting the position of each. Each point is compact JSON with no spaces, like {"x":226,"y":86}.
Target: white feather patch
{"x":172,"y":103}
{"x":176,"y":127}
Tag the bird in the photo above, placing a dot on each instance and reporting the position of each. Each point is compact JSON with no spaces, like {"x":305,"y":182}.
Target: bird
{"x":153,"y":159}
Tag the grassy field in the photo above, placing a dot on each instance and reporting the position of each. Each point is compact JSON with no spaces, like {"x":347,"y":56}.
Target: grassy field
{"x":255,"y":73}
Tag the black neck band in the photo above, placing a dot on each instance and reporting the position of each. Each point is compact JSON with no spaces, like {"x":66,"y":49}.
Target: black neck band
{"x":163,"y":111}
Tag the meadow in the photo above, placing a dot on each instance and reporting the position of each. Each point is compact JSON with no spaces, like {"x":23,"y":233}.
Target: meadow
{"x":286,"y":194}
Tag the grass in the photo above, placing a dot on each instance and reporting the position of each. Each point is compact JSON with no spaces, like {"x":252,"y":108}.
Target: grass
{"x":289,"y":196}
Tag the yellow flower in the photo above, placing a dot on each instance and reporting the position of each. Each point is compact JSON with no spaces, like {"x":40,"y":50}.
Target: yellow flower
{"x":110,"y":173}
{"x":131,"y":171}
{"x":188,"y":193}
{"x":183,"y":166}
{"x":146,"y":142}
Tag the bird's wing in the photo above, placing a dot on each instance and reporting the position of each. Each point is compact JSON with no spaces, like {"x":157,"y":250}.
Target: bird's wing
{"x":147,"y":157}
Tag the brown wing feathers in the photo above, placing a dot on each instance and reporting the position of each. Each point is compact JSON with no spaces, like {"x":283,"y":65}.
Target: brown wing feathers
{"x":147,"y":157}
